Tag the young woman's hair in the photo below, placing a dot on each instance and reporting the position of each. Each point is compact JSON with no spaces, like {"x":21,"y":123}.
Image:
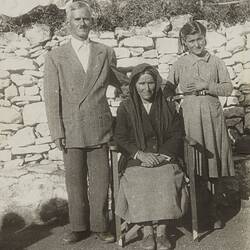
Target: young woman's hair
{"x":190,"y":28}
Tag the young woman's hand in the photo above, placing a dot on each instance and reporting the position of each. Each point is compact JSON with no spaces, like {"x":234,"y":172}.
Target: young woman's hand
{"x":148,"y":159}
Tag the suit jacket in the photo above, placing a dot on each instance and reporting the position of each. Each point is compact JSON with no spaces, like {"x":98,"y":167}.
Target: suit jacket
{"x":76,"y":104}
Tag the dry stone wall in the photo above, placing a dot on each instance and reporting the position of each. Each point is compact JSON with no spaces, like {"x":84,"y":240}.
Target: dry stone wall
{"x":31,"y":167}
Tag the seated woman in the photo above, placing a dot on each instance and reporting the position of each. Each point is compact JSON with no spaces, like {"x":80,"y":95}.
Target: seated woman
{"x":149,"y":134}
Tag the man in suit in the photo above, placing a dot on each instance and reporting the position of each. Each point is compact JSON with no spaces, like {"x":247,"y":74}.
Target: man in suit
{"x":76,"y":78}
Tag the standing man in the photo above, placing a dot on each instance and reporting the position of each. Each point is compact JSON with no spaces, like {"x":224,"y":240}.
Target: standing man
{"x":79,"y":118}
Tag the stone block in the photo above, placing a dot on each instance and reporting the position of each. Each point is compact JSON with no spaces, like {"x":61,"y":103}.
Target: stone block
{"x":4,"y":74}
{"x":237,"y":30}
{"x":232,"y":122}
{"x":150,"y":54}
{"x":35,"y":73}
{"x":238,"y":68}
{"x":122,"y":53}
{"x":158,"y":27}
{"x":33,"y":158}
{"x":247,"y":122}
{"x":43,"y":169}
{"x":5,"y":155}
{"x":236,"y":44}
{"x":107,"y":42}
{"x":230,"y":112}
{"x":231,"y":72}
{"x":248,"y":41}
{"x":244,"y":77}
{"x":22,"y":138}
{"x":22,"y":80}
{"x":10,"y":115}
{"x":224,"y":54}
{"x":4,"y":83}
{"x":167,"y":45}
{"x":5,"y":103}
{"x":34,"y":113}
{"x":170,"y":59}
{"x":42,"y":129}
{"x":246,"y":65}
{"x":55,"y":155}
{"x":34,"y":149}
{"x":10,"y":127}
{"x":30,"y":91}
{"x":26,"y":99}
{"x":38,"y":33}
{"x":242,"y":56}
{"x":136,"y":51}
{"x":107,"y":35}
{"x":43,"y":140}
{"x":13,"y":164}
{"x":138,"y":42}
{"x":163,"y":68}
{"x":17,"y":63}
{"x":215,"y":40}
{"x":129,"y":62}
{"x":22,"y":52}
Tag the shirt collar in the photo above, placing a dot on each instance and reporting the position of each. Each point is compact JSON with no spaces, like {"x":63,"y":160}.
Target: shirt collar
{"x":196,"y":59}
{"x":77,"y":44}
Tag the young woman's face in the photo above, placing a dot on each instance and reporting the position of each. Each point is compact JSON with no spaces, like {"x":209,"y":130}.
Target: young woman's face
{"x":195,"y":43}
{"x":145,"y":87}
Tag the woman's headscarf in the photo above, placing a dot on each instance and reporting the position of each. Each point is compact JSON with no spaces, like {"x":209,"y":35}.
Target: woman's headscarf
{"x":163,"y":111}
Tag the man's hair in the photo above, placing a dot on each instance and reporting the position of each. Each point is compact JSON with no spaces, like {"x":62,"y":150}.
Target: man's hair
{"x":75,"y":5}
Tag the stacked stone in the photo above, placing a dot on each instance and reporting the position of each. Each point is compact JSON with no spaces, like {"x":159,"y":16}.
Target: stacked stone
{"x":29,"y":162}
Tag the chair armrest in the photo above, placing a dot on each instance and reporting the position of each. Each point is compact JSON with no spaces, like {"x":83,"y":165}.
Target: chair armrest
{"x":113,"y":146}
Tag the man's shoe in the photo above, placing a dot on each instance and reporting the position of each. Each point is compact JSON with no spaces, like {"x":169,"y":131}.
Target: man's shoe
{"x":148,"y":242}
{"x":107,"y":237}
{"x":74,"y":236}
{"x":218,"y":224}
{"x":163,"y":243}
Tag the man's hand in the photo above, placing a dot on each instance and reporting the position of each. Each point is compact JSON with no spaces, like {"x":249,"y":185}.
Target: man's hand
{"x":148,"y":159}
{"x":60,"y":144}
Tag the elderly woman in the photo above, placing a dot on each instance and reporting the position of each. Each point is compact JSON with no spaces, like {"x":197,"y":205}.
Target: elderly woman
{"x":149,"y":134}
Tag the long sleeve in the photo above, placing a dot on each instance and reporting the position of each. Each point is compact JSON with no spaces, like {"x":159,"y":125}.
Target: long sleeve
{"x":123,"y":132}
{"x":52,"y":99}
{"x":223,"y":86}
{"x":117,"y":78}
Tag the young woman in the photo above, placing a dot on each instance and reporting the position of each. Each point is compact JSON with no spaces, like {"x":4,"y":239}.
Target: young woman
{"x":149,"y":133}
{"x":203,"y":77}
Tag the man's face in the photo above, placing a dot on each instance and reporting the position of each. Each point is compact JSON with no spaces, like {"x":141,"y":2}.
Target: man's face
{"x":80,"y":23}
{"x":195,"y":43}
{"x":145,"y":87}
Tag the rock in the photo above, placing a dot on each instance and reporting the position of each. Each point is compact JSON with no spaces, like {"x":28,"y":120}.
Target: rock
{"x":33,"y":158}
{"x":14,"y":164}
{"x":129,"y":62}
{"x":7,"y":172}
{"x":242,"y":56}
{"x":23,"y":137}
{"x":247,"y":122}
{"x":38,"y":33}
{"x":167,"y":45}
{"x":246,"y":65}
{"x":244,"y":77}
{"x":138,"y":41}
{"x":232,"y":101}
{"x":5,"y":103}
{"x":170,"y":59}
{"x":238,"y":68}
{"x":136,"y":51}
{"x":236,"y":93}
{"x":41,"y":59}
{"x":235,"y":44}
{"x":111,"y":92}
{"x":150,"y":54}
{"x":38,"y":53}
{"x":55,"y":155}
{"x":35,"y":73}
{"x":22,"y":80}
{"x":22,"y":52}
{"x":163,"y":68}
{"x":34,"y":149}
{"x":248,"y":41}
{"x":5,"y":155}
{"x":233,"y":121}
{"x":10,"y":115}
{"x":121,"y":33}
{"x":107,"y":35}
{"x":4,"y":83}
{"x":43,"y":169}
{"x":30,"y":91}
{"x":178,"y":21}
{"x":229,"y":61}
{"x":215,"y":40}
{"x":224,"y":54}
{"x":4,"y":74}
{"x":43,"y":140}
{"x":34,"y":113}
{"x":230,"y":112}
{"x":237,"y":30}
{"x":152,"y":62}
{"x":10,"y":127}
{"x":43,"y":129}
{"x":158,"y":27}
{"x":231,"y":72}
{"x":107,"y":42}
{"x":26,"y":99}
{"x":140,"y":31}
{"x":122,"y":53}
{"x":17,"y":63}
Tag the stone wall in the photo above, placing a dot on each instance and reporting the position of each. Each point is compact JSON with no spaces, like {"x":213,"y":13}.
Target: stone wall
{"x":31,"y":167}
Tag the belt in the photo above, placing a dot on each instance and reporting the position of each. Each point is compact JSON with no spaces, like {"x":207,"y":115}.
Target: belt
{"x":196,"y":93}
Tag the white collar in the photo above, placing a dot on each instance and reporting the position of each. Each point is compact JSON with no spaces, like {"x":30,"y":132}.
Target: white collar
{"x":77,"y":44}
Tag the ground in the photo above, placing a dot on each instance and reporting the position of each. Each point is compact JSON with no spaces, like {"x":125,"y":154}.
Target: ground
{"x":235,"y":236}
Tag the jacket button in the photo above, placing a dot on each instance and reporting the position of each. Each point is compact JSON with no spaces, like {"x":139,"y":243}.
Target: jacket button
{"x":154,"y":147}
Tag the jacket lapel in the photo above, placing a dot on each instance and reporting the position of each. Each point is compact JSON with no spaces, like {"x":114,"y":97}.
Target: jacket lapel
{"x":96,"y":61}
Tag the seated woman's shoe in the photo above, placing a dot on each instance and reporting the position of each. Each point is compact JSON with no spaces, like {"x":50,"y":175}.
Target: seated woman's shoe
{"x":74,"y":236}
{"x":148,"y":242}
{"x":163,"y":243}
{"x":107,"y":237}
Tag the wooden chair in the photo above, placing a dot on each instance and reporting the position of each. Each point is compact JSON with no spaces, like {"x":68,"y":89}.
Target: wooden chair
{"x":192,"y":161}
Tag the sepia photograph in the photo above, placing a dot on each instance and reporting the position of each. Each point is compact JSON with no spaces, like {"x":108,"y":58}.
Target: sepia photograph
{"x":125,"y":124}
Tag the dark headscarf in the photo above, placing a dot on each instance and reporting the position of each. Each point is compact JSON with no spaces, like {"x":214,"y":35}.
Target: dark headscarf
{"x":163,"y":111}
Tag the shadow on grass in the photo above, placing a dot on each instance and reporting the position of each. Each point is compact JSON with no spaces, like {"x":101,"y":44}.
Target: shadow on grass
{"x":16,"y":235}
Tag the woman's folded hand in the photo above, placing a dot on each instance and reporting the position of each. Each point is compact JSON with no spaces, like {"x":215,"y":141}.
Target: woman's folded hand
{"x":148,"y":159}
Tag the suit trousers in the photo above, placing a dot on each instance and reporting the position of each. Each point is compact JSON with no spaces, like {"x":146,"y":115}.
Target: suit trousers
{"x":87,"y":181}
